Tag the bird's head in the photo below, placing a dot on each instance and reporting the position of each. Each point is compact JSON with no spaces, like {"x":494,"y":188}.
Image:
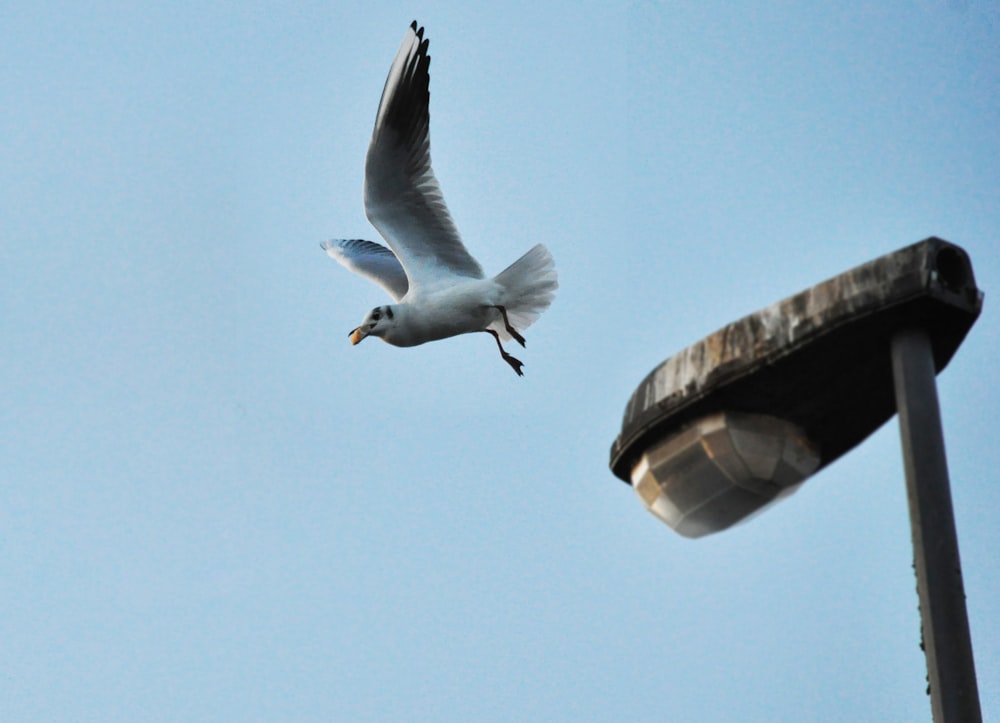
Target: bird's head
{"x":377,"y":323}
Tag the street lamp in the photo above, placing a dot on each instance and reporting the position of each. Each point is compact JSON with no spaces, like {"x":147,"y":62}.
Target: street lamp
{"x":743,"y":417}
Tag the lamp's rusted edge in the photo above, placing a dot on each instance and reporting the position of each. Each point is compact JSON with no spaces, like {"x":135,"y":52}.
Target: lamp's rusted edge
{"x":931,"y":269}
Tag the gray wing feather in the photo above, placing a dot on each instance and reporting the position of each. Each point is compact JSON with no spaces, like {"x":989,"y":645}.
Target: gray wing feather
{"x":402,"y":197}
{"x":374,"y":262}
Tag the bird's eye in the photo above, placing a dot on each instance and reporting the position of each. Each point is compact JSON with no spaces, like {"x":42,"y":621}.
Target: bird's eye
{"x":376,"y":315}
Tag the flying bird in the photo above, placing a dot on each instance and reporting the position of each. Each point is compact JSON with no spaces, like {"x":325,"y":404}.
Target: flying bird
{"x":440,"y":290}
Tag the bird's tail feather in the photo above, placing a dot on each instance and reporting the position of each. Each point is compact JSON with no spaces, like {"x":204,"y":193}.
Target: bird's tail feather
{"x":529,"y":286}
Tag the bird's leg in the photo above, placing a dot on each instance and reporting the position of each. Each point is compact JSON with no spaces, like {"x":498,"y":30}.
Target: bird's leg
{"x":510,"y":329}
{"x":516,"y":364}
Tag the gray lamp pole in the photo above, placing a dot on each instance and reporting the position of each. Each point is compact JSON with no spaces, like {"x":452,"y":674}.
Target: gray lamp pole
{"x":743,"y":417}
{"x":951,"y":670}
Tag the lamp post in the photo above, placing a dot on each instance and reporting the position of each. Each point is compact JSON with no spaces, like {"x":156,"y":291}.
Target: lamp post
{"x":743,"y":417}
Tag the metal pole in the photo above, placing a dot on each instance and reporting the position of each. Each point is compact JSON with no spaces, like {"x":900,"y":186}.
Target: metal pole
{"x":951,"y":670}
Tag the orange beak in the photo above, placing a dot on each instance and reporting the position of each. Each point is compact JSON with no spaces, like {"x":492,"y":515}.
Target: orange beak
{"x":357,"y":335}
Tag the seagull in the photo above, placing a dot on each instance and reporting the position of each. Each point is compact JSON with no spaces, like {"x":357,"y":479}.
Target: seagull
{"x":440,"y":290}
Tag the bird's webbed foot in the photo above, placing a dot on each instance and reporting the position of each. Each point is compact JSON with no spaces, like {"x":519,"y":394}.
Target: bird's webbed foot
{"x":515,"y":363}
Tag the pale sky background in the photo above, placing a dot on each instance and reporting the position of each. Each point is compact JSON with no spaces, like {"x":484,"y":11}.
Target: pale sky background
{"x":212,"y":507}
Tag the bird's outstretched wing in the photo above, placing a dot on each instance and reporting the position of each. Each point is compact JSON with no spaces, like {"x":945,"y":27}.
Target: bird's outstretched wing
{"x":402,"y":197}
{"x":374,"y":262}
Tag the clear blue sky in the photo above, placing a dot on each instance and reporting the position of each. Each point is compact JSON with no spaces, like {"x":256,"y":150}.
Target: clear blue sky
{"x":212,"y":507}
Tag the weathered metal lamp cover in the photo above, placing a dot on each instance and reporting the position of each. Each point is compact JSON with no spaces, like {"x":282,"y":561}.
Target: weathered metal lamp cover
{"x":739,"y":419}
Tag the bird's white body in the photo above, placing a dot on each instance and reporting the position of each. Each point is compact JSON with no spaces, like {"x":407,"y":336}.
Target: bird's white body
{"x":432,"y":314}
{"x":440,"y":289}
